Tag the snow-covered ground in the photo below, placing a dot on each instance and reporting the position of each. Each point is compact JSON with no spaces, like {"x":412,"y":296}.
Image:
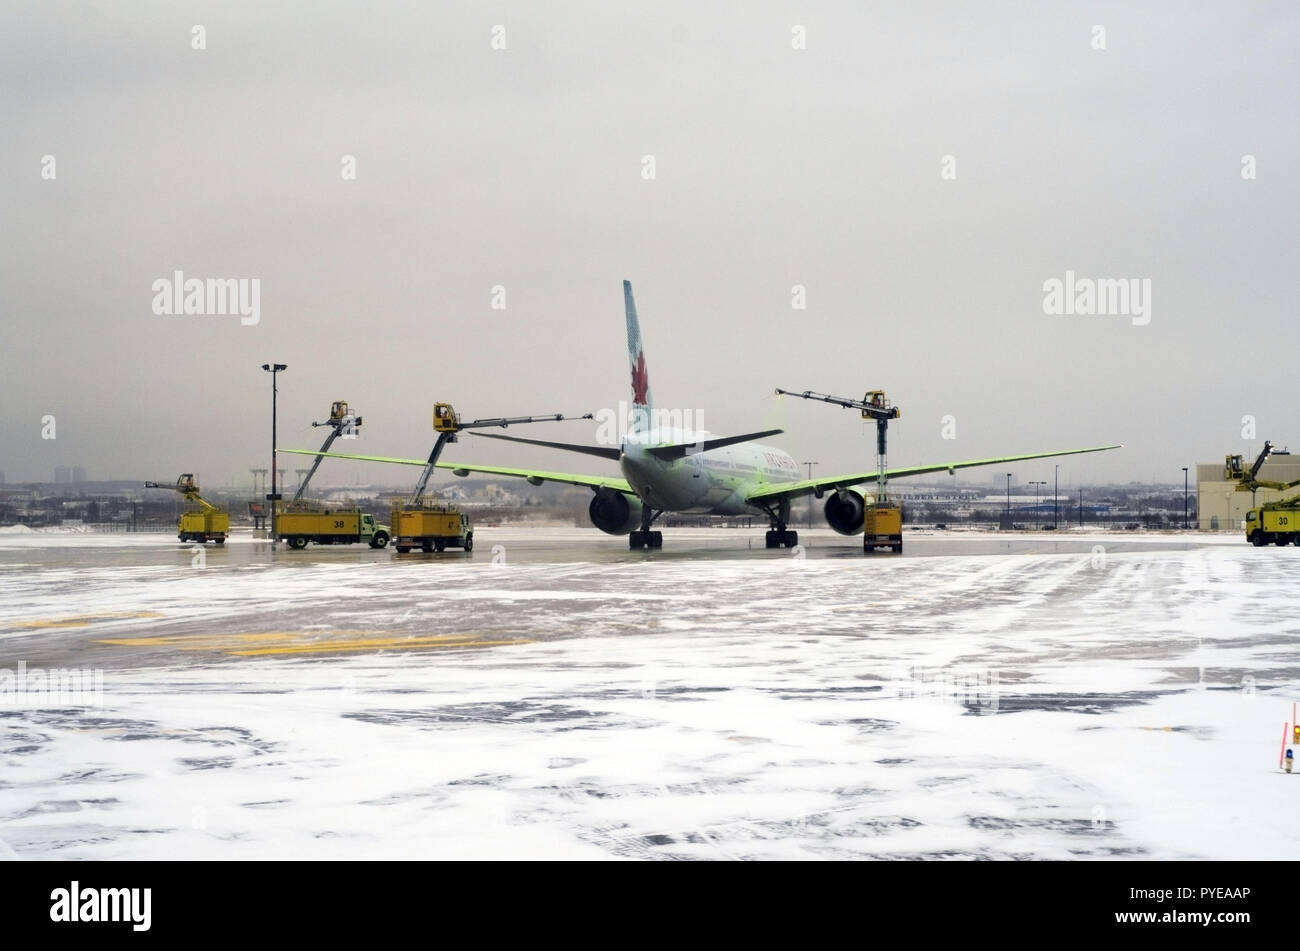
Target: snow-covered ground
{"x":1096,"y":696}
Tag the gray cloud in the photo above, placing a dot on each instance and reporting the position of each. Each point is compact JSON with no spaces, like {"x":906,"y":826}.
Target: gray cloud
{"x":522,"y":168}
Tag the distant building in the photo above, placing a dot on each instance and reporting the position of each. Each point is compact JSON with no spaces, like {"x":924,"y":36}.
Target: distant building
{"x":2,"y":478}
{"x":1219,"y":507}
{"x":78,"y":474}
{"x":62,"y":474}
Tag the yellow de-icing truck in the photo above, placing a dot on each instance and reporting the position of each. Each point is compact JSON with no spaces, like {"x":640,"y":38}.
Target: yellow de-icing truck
{"x":301,"y":524}
{"x":205,"y":524}
{"x":429,"y":526}
{"x":437,"y":526}
{"x":203,"y":527}
{"x":302,"y":521}
{"x":1278,"y":521}
{"x":882,"y":526}
{"x":882,"y":519}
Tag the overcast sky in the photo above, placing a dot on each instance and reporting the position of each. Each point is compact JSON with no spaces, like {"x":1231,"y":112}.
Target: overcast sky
{"x":523,"y":167}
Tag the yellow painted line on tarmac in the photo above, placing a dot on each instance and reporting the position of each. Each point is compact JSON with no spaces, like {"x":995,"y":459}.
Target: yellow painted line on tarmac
{"x":82,"y":620}
{"x":197,"y":642}
{"x":306,"y":642}
{"x":372,"y":643}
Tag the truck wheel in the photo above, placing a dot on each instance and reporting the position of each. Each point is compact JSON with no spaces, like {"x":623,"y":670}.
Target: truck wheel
{"x":219,"y":541}
{"x":380,"y":540}
{"x":469,"y":542}
{"x":427,"y":546}
{"x":298,"y":541}
{"x":1257,"y":539}
{"x":439,"y":545}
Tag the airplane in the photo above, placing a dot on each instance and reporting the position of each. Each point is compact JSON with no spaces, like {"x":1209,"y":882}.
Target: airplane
{"x":669,"y":468}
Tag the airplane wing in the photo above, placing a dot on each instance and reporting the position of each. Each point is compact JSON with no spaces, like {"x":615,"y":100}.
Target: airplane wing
{"x":538,"y":476}
{"x":795,"y":490}
{"x":535,"y":476}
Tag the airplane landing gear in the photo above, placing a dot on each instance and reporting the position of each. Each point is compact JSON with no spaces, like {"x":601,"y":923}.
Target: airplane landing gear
{"x":644,"y":538}
{"x":779,"y":536}
{"x":637,"y":540}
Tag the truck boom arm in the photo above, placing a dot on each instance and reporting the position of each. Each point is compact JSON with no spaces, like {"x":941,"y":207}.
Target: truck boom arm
{"x":873,"y":406}
{"x":448,"y":424}
{"x":876,"y":410}
{"x":186,"y":486}
{"x":1254,"y":484}
{"x":340,"y":421}
{"x":504,"y":421}
{"x":1254,"y":470}
{"x":1249,"y":481}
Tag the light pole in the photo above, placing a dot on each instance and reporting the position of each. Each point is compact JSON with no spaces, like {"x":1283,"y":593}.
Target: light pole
{"x":810,"y":498}
{"x":1038,"y":522}
{"x":1008,"y":517}
{"x":273,"y":496}
{"x":1184,"y":498}
{"x":1056,"y":493}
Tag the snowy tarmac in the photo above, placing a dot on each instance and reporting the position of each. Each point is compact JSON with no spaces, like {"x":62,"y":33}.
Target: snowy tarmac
{"x":554,"y":695}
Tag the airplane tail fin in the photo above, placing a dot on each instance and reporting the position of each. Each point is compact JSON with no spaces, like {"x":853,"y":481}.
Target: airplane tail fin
{"x":642,"y":405}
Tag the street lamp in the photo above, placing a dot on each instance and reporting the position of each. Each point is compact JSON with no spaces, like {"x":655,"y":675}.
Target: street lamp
{"x":810,"y":498}
{"x":273,"y":497}
{"x":1038,"y":522}
{"x":1184,"y":498}
{"x":1056,"y":494}
{"x":1008,"y":517}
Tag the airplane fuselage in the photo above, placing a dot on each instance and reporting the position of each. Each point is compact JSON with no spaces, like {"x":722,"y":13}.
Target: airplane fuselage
{"x":713,"y":482}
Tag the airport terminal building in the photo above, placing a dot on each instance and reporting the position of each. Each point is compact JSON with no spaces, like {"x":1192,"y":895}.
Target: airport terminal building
{"x":1220,"y":507}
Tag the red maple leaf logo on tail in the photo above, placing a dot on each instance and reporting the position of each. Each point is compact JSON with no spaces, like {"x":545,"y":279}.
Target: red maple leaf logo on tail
{"x":640,"y":381}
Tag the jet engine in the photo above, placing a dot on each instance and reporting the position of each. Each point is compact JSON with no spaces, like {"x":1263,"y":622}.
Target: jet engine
{"x":845,"y":511}
{"x":616,"y":513}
